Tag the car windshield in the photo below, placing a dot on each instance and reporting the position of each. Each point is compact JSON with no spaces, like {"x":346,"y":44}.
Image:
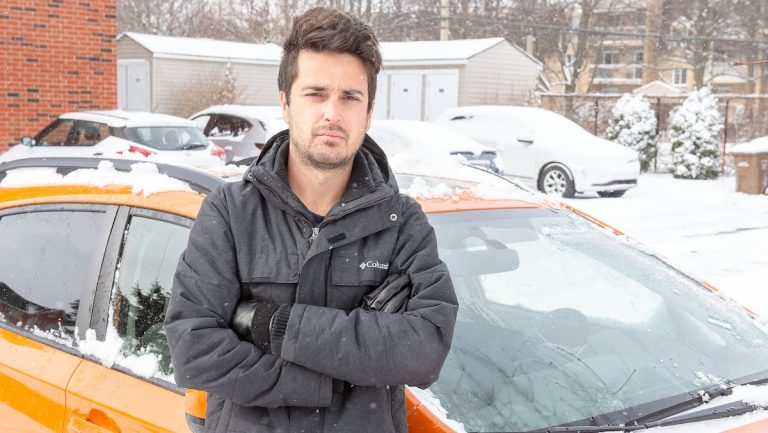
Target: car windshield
{"x":168,"y":137}
{"x":577,"y":323}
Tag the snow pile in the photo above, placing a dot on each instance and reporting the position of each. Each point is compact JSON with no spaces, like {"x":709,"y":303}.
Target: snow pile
{"x":455,"y":178}
{"x":143,"y":177}
{"x":694,"y":130}
{"x":428,"y":399}
{"x":758,"y":145}
{"x":110,"y":352}
{"x":752,"y":394}
{"x":634,"y":125}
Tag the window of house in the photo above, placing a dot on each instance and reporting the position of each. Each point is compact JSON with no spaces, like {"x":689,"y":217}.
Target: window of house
{"x":47,"y":260}
{"x":640,"y":18}
{"x":681,"y":76}
{"x":55,"y":134}
{"x":148,"y":258}
{"x":639,"y":63}
{"x":613,"y":20}
{"x":611,"y":58}
{"x":602,"y":74}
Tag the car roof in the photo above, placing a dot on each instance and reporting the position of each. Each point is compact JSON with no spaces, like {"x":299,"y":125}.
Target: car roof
{"x":427,"y":136}
{"x":253,"y":112}
{"x":103,"y":186}
{"x":122,"y":118}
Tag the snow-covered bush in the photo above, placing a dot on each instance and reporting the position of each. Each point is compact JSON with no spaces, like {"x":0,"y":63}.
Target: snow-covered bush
{"x":634,"y":125}
{"x":694,"y":130}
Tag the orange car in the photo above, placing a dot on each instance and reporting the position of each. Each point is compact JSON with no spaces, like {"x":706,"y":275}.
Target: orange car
{"x":563,"y":326}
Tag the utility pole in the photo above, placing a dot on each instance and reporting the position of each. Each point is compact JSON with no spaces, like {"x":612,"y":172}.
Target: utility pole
{"x":445,"y":23}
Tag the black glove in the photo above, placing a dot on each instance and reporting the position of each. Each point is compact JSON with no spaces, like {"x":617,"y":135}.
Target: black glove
{"x":391,"y":296}
{"x":251,"y":322}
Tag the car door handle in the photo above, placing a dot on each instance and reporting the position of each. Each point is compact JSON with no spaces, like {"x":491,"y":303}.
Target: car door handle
{"x":82,"y":425}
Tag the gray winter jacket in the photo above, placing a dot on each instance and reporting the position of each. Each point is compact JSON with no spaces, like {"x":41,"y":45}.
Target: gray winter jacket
{"x":255,"y":239}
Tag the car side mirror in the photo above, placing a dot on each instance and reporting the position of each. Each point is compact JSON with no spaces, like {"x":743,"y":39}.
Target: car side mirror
{"x":524,"y":138}
{"x":28,"y":141}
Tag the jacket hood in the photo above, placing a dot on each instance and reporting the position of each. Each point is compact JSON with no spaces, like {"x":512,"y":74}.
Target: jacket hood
{"x":370,"y":171}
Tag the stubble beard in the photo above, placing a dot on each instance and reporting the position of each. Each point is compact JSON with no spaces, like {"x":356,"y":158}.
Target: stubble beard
{"x":319,"y":161}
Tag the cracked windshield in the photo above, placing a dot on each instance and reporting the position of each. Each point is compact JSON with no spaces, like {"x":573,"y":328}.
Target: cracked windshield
{"x":384,"y":215}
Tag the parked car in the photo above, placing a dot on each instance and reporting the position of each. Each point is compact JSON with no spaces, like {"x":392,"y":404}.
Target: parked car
{"x":563,"y":325}
{"x":424,"y":138}
{"x":155,"y":136}
{"x":547,"y":150}
{"x":246,"y":128}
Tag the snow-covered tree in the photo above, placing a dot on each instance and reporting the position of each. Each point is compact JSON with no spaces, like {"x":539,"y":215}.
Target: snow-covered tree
{"x":634,"y":125}
{"x":229,"y":91}
{"x":694,"y":129}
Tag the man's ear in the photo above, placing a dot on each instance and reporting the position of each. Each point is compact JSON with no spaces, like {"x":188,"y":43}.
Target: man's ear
{"x":284,"y":106}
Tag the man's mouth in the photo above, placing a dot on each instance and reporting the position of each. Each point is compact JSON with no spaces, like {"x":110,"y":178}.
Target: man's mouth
{"x":330,"y":134}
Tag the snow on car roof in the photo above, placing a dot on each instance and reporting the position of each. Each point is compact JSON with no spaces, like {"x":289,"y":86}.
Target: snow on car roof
{"x":426,"y":137}
{"x":259,"y":112}
{"x":122,"y":118}
{"x":144,"y":177}
{"x":536,"y":118}
{"x":455,"y":51}
{"x":178,"y":47}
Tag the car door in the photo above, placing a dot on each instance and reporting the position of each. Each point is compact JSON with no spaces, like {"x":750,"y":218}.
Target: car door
{"x":125,"y":383}
{"x":49,"y":261}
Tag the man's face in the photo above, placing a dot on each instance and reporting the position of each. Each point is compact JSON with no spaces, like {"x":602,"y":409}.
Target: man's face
{"x":328,"y":111}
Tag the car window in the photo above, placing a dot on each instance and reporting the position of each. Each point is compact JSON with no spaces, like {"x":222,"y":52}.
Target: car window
{"x":168,"y":137}
{"x":46,"y":261}
{"x":88,"y":133}
{"x":55,"y":134}
{"x":228,"y":126}
{"x":142,"y":289}
{"x":202,"y":121}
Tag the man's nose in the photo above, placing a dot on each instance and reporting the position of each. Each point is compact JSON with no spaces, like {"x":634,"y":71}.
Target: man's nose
{"x":332,"y":111}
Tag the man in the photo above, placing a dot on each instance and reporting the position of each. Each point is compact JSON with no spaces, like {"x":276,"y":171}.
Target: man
{"x":316,"y":224}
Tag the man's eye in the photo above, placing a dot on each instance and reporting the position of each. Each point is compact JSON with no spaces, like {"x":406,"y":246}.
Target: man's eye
{"x":352,"y":98}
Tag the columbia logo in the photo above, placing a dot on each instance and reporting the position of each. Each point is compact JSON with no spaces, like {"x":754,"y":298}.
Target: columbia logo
{"x":374,"y":264}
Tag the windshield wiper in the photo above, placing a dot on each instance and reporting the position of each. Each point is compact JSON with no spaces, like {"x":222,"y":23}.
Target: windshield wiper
{"x":191,"y":146}
{"x":662,"y":412}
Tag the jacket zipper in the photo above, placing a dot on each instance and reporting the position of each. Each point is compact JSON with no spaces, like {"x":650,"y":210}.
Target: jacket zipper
{"x":315,"y":232}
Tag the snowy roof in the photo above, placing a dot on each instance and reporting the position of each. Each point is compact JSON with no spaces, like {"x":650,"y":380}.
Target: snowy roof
{"x":758,"y":145}
{"x":447,"y":52}
{"x":658,"y":87}
{"x":198,"y":48}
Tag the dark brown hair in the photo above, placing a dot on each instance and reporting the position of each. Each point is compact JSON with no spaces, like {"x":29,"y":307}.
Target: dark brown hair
{"x":322,"y":29}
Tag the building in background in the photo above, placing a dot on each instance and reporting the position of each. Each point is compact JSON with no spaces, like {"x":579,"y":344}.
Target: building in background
{"x":56,"y":56}
{"x":421,"y":79}
{"x":181,"y":76}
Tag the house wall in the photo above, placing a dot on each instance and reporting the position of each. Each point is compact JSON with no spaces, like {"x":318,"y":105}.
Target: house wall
{"x":175,"y":82}
{"x":56,"y":57}
{"x":501,"y":74}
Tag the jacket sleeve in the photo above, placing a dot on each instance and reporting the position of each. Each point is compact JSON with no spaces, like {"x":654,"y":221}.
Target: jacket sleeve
{"x":205,"y":352}
{"x":370,"y":348}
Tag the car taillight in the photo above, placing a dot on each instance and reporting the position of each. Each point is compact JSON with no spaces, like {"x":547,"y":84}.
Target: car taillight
{"x":217,"y":151}
{"x":139,"y":150}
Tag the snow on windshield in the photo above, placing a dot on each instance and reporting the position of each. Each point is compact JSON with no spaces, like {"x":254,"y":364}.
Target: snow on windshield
{"x":143,"y":178}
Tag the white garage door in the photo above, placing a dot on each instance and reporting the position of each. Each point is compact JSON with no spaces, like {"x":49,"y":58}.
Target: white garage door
{"x":442,"y":93}
{"x":133,"y":85}
{"x":405,"y":96}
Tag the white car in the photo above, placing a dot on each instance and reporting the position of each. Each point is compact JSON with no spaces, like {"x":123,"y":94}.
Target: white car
{"x":410,"y":136}
{"x":548,"y":151}
{"x":154,"y":136}
{"x":244,"y":128}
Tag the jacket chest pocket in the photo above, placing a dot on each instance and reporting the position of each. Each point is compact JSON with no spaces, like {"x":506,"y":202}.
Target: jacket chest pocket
{"x":353,"y":276}
{"x":272,"y":278}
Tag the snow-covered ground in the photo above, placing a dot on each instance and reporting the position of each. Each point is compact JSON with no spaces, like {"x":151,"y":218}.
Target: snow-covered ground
{"x":702,"y":226}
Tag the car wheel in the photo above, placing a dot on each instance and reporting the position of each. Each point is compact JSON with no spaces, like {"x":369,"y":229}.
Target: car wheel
{"x":557,"y":181}
{"x":617,"y":193}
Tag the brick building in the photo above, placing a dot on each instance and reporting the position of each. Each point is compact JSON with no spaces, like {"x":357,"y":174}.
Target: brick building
{"x":55,"y":56}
